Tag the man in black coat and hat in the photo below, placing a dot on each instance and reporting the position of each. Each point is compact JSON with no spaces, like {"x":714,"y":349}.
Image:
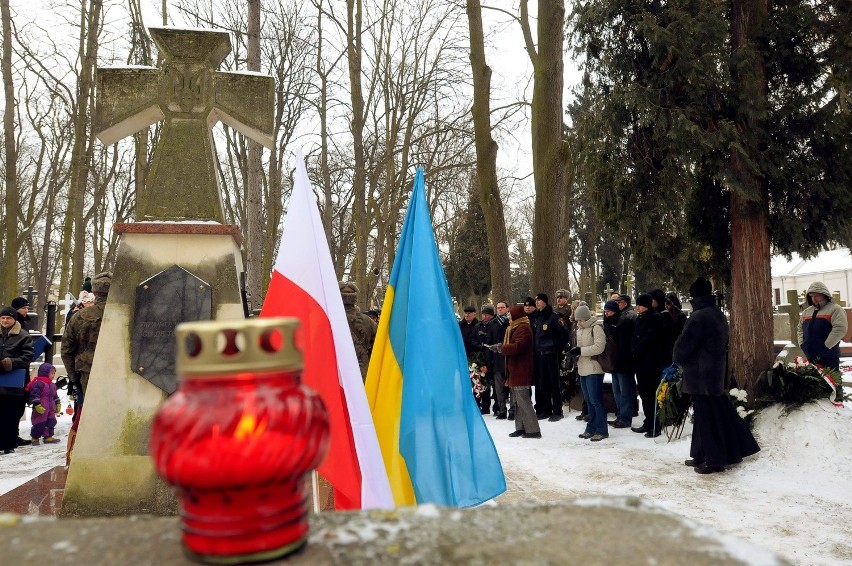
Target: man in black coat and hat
{"x":720,"y":437}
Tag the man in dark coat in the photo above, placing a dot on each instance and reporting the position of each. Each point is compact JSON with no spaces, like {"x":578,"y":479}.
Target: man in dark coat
{"x":549,"y":339}
{"x":496,"y":363}
{"x":468,"y":326}
{"x":16,"y":352}
{"x":621,"y":326}
{"x":648,"y":361}
{"x":22,"y":308}
{"x":720,"y":437}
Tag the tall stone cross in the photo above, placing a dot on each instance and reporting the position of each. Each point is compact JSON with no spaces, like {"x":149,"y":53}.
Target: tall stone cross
{"x":191,"y":96}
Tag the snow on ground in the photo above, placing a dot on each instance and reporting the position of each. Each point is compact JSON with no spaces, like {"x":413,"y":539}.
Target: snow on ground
{"x":794,"y":497}
{"x":26,"y":462}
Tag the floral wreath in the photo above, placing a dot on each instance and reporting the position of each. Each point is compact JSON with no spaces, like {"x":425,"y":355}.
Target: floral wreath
{"x":477,"y":380}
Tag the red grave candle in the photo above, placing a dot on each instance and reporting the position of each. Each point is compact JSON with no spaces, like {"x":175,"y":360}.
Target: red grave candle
{"x":238,"y":438}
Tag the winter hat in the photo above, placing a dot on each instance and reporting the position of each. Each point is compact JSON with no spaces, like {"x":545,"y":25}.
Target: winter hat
{"x":19,"y":302}
{"x":529,"y":302}
{"x":45,"y":369}
{"x":562,"y":293}
{"x":644,"y":300}
{"x":700,"y":288}
{"x":349,"y":292}
{"x":470,"y":308}
{"x":815,"y":287}
{"x":517,"y":312}
{"x":101,"y":283}
{"x":86,"y":297}
{"x":625,"y":298}
{"x":660,"y":296}
{"x":542,"y":297}
{"x":87,"y":284}
{"x":675,"y":302}
{"x":9,"y":311}
{"x":611,"y":306}
{"x":582,"y":313}
{"x":488,"y":309}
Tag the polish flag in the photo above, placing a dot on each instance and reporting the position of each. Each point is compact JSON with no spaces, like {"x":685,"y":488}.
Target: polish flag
{"x":304,"y":285}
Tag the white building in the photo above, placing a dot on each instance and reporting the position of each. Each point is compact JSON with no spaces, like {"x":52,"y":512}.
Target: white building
{"x":832,"y":267}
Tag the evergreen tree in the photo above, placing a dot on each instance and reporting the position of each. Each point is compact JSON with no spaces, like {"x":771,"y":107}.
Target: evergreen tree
{"x":715,"y":131}
{"x":468,"y":268}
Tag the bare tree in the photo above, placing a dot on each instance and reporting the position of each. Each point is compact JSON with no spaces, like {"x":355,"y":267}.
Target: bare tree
{"x":73,"y":235}
{"x":486,"y":156}
{"x":9,"y":286}
{"x":548,"y":150}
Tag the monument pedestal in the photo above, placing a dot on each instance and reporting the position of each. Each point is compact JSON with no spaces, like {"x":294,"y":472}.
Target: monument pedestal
{"x":111,"y":472}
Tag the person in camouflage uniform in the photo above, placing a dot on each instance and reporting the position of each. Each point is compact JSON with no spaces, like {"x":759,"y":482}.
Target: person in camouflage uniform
{"x":81,"y":336}
{"x":362,"y":327}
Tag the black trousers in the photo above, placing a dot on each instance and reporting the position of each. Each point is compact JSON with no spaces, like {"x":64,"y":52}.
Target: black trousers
{"x":12,"y":407}
{"x":646,"y":385}
{"x":720,"y":437}
{"x":548,"y":394}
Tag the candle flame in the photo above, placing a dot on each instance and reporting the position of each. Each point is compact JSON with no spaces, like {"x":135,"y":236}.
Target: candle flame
{"x":249,"y":427}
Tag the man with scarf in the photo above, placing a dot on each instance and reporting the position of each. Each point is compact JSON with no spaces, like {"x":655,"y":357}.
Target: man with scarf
{"x":517,"y":347}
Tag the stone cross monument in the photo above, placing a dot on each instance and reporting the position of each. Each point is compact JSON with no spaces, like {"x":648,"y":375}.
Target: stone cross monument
{"x":178,"y":262}
{"x":190,"y":96}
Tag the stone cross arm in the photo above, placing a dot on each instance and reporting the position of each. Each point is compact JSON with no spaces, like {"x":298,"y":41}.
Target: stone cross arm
{"x":129,"y":100}
{"x":189,"y":95}
{"x":243,"y":101}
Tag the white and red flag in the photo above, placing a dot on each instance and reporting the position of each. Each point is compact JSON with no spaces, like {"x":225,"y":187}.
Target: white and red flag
{"x":304,"y":285}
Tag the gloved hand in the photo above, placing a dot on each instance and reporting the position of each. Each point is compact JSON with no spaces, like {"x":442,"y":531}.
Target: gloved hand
{"x":59,"y":408}
{"x":495,"y":347}
{"x":575,"y":351}
{"x":39,"y":409}
{"x":7,"y":364}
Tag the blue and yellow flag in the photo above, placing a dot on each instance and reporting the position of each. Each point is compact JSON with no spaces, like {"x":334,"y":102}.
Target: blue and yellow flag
{"x":434,"y":443}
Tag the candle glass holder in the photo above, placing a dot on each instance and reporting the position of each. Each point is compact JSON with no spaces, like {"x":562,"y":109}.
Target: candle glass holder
{"x":238,"y":438}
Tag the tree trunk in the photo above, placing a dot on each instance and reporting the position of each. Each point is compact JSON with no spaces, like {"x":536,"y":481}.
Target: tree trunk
{"x":253,"y":228}
{"x":548,"y":153}
{"x":73,"y":245}
{"x":325,"y":174}
{"x":9,"y":287}
{"x":486,"y":159}
{"x":750,"y":351}
{"x":354,"y":15}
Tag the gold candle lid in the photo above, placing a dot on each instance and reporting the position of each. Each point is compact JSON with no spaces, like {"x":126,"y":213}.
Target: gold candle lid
{"x":228,"y":346}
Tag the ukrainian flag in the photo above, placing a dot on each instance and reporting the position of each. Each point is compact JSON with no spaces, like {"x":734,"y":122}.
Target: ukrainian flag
{"x":435,"y":445}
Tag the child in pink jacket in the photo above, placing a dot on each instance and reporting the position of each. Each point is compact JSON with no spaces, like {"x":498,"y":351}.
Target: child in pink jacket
{"x":43,"y":397}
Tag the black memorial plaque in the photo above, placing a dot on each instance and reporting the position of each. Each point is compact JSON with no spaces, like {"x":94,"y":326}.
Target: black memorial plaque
{"x":162,"y":302}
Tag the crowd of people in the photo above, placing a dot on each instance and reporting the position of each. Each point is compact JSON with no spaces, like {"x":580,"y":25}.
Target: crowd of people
{"x":532,"y":355}
{"x":18,"y":388}
{"x":536,"y":352}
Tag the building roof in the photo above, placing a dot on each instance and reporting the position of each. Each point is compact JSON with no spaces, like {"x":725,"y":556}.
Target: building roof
{"x":826,"y":262}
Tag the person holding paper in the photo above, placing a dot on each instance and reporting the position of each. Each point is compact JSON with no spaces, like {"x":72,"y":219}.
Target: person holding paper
{"x":16,"y":351}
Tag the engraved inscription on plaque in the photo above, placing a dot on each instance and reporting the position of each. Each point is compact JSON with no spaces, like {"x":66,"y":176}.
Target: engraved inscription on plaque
{"x":162,"y":302}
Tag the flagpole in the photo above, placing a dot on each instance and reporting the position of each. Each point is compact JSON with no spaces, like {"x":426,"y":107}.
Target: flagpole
{"x":315,"y":491}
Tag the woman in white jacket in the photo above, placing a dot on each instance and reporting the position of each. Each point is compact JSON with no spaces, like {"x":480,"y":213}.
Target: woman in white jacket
{"x":591,"y":341}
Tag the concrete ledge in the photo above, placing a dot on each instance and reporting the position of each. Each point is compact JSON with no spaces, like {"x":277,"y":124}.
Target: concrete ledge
{"x":614,"y":530}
